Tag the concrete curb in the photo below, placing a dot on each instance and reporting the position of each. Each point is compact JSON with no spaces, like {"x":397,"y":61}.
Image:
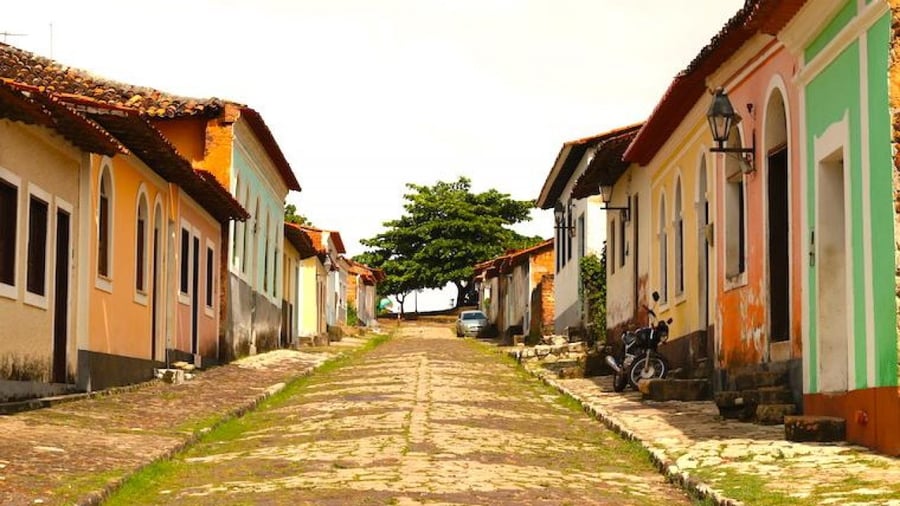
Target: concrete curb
{"x":97,"y":497}
{"x":665,"y":465}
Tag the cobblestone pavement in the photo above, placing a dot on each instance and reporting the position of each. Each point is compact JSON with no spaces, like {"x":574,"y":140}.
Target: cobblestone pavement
{"x":72,"y":452}
{"x":425,"y":418}
{"x":735,"y":462}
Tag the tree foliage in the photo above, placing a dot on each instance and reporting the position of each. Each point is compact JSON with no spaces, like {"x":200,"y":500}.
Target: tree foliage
{"x":593,"y":292}
{"x":445,"y":230}
{"x":291,"y":216}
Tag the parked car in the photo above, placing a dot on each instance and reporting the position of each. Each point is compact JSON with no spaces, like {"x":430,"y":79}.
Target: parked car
{"x":471,"y":323}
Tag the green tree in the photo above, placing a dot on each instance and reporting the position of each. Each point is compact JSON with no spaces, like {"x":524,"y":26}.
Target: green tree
{"x":593,"y":293}
{"x":445,"y":230}
{"x":291,"y":216}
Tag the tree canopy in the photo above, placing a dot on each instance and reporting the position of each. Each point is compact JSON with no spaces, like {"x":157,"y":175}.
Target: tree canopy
{"x":291,"y":216}
{"x":445,"y":230}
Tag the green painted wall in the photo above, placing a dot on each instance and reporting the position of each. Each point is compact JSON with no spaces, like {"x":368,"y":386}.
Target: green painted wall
{"x":881,"y":169}
{"x":832,"y":93}
{"x":843,"y":17}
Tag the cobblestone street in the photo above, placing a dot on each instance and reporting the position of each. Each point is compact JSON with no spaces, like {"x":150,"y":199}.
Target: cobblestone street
{"x":423,"y":419}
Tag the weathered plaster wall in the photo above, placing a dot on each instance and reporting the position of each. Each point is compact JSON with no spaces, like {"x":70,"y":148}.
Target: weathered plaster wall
{"x":42,"y":160}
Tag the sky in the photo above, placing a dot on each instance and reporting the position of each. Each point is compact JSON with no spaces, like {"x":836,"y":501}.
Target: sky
{"x":364,"y":96}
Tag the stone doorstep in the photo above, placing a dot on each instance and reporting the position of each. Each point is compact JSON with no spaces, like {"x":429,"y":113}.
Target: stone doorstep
{"x":676,"y":390}
{"x":820,"y":429}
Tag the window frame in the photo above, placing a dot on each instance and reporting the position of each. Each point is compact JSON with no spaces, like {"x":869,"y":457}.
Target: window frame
{"x":105,"y":281}
{"x":678,"y":232}
{"x":210,"y":295}
{"x":11,"y":291}
{"x":662,"y":240}
{"x":184,"y":292}
{"x":33,"y":298}
{"x":141,"y":293}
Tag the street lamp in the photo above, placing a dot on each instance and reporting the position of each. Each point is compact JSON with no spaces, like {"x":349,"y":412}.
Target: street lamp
{"x":606,"y":197}
{"x":722,"y":120}
{"x":559,"y":213}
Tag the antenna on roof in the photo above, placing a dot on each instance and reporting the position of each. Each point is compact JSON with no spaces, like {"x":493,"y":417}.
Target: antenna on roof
{"x":10,"y":34}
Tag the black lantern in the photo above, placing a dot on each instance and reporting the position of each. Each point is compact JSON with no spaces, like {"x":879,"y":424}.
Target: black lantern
{"x":606,"y":197}
{"x":722,"y":120}
{"x":559,"y":214}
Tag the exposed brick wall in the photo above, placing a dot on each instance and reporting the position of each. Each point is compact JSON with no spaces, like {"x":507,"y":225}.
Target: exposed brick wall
{"x":548,"y":302}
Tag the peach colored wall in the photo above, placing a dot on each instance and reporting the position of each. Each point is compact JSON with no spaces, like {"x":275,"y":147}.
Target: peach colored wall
{"x":743,"y":310}
{"x":206,"y":228}
{"x":119,"y":324}
{"x":40,"y":159}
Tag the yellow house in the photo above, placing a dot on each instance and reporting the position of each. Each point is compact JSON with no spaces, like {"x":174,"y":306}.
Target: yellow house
{"x":45,"y":146}
{"x":310,"y":277}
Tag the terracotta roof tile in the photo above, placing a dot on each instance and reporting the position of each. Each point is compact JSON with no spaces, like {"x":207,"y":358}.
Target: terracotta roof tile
{"x":53,"y":77}
{"x":148,"y":144}
{"x":301,"y":239}
{"x":80,"y":86}
{"x":567,"y":161}
{"x":36,"y":108}
{"x":607,"y":165}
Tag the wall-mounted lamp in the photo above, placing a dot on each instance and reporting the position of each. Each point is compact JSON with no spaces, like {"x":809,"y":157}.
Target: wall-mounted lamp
{"x":722,"y":120}
{"x":559,"y":214}
{"x":606,"y":196}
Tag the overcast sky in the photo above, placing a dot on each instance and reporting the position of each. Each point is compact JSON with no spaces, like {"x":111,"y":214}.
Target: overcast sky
{"x":364,"y":96}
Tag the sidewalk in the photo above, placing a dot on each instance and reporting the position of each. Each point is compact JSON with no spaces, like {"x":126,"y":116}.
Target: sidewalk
{"x":77,"y":452}
{"x":732,"y":462}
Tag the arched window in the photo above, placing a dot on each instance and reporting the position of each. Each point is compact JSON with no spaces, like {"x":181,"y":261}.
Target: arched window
{"x":678,"y":225}
{"x":105,"y":219}
{"x":663,"y":252}
{"x":140,"y":242}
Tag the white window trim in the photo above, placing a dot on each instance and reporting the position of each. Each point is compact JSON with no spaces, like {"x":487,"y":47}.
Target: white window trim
{"x":185,"y":297}
{"x":12,"y":291}
{"x":33,"y":299}
{"x":141,"y":296}
{"x":210,"y":311}
{"x":102,"y":282}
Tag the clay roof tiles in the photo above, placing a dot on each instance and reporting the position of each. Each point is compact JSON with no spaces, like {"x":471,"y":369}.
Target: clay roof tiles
{"x":35,"y":108}
{"x":79,"y":86}
{"x":53,"y":77}
{"x":301,"y":240}
{"x":567,"y":161}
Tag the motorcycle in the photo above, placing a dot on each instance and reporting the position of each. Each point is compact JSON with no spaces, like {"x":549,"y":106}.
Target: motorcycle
{"x":641,"y":359}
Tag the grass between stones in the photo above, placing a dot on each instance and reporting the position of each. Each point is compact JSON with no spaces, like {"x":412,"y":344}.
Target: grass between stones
{"x":136,"y":488}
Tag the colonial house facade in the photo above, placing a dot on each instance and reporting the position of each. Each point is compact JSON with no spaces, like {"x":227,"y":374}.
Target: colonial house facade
{"x":515,"y":290}
{"x":577,"y":230}
{"x":775,"y":246}
{"x":109,"y":226}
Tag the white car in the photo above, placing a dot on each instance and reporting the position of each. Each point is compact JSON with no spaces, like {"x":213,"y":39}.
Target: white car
{"x":471,"y":323}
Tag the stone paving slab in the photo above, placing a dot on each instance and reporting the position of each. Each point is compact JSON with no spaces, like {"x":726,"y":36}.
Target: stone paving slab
{"x":725,"y":459}
{"x":76,"y":452}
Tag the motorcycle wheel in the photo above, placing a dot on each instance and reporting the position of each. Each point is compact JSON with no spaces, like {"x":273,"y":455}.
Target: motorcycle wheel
{"x":658,"y":368}
{"x":620,"y":381}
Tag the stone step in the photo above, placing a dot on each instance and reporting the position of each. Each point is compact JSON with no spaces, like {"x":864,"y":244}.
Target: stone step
{"x":735,"y":406}
{"x":773,"y":414}
{"x":822,"y":429}
{"x":755,"y":380}
{"x":677,"y":390}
